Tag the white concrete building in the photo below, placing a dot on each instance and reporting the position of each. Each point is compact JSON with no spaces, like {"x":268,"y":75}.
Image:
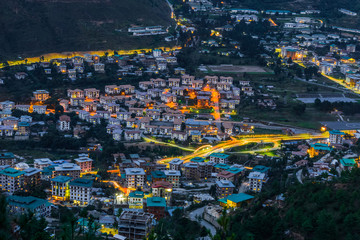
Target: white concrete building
{"x":256,"y":180}
{"x":42,"y":163}
{"x":80,"y":191}
{"x":173,"y":177}
{"x":135,"y":177}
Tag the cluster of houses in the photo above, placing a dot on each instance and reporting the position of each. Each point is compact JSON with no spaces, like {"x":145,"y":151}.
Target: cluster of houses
{"x":80,"y":67}
{"x":64,"y":176}
{"x":158,"y":108}
{"x":328,"y":157}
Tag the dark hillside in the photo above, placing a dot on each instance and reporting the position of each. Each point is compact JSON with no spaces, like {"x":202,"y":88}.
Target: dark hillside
{"x":41,"y":26}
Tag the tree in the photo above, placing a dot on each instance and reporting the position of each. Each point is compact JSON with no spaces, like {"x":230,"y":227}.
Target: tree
{"x":4,"y":220}
{"x":299,"y":108}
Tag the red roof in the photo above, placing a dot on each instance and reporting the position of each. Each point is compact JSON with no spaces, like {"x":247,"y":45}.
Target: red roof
{"x":161,"y":184}
{"x":65,"y":118}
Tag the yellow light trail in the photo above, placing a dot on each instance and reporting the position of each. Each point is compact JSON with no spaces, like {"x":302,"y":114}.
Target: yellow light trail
{"x":235,"y":143}
{"x":272,"y":22}
{"x":146,"y":139}
{"x":338,"y":81}
{"x":64,"y":55}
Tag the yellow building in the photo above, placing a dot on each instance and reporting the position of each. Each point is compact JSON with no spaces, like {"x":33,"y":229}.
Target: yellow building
{"x":235,"y":200}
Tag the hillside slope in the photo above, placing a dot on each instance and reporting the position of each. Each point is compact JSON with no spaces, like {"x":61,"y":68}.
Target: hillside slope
{"x":39,"y":26}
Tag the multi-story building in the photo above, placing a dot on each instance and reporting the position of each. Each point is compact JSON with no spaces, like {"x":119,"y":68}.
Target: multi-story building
{"x":80,"y":191}
{"x":256,"y":180}
{"x":41,"y":95}
{"x":60,"y":188}
{"x":162,"y":189}
{"x":224,"y":188}
{"x":176,"y":164}
{"x":7,"y":158}
{"x":135,"y":177}
{"x":190,"y":170}
{"x":42,"y":163}
{"x":11,"y":180}
{"x":219,"y":158}
{"x":235,"y":200}
{"x":64,"y":123}
{"x":157,"y":176}
{"x":135,"y":225}
{"x":67,"y":169}
{"x":336,"y":137}
{"x":156,"y":206}
{"x":85,"y":163}
{"x":204,"y":170}
{"x":173,"y":177}
{"x":21,"y":205}
{"x":31,"y":178}
{"x":136,"y":199}
{"x":92,"y":93}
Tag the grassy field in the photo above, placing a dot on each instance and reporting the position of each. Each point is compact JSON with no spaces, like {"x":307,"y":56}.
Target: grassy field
{"x":36,"y":27}
{"x":310,"y":119}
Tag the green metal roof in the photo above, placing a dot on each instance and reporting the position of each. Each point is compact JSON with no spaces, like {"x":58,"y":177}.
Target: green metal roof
{"x":336,"y":132}
{"x":156,"y":202}
{"x":6,"y":155}
{"x":197,"y":159}
{"x":348,"y":162}
{"x":234,"y":170}
{"x":24,"y":124}
{"x":137,"y":194}
{"x":158,"y":174}
{"x":61,"y":179}
{"x":222,"y":166}
{"x":220,"y":155}
{"x":236,"y":198}
{"x":48,"y":170}
{"x":27,"y":202}
{"x":321,"y":147}
{"x":11,"y":172}
{"x":81,"y":182}
{"x":260,"y":168}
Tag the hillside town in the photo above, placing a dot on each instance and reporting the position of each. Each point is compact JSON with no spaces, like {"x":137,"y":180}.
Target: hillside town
{"x":173,"y":143}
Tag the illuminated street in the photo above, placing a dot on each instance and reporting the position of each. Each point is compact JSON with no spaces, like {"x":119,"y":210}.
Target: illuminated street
{"x":204,"y":152}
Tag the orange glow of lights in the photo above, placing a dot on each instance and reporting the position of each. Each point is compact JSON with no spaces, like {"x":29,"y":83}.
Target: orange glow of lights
{"x":272,"y":22}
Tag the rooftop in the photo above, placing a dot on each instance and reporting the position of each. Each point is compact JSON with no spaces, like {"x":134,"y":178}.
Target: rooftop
{"x":260,"y":168}
{"x":11,"y":172}
{"x":225,"y":184}
{"x":81,"y":182}
{"x":220,"y":155}
{"x":27,"y":202}
{"x":134,"y":171}
{"x":137,"y":194}
{"x":172,"y":173}
{"x":236,"y":198}
{"x":68,"y":167}
{"x":158,"y":174}
{"x":347,"y":162}
{"x":176,"y":161}
{"x":197,"y":159}
{"x":6,"y":155}
{"x":61,"y":179}
{"x":83,"y":159}
{"x":156,"y":202}
{"x":43,"y":161}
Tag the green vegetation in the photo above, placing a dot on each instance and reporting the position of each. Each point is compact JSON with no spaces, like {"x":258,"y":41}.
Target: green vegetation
{"x":317,"y":211}
{"x":177,"y":227}
{"x":36,"y":27}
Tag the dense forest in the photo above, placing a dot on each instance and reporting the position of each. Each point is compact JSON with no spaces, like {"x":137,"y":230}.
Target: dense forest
{"x":315,"y":210}
{"x":36,"y":27}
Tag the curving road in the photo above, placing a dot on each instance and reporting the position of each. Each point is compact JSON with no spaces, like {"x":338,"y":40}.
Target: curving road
{"x":204,"y":152}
